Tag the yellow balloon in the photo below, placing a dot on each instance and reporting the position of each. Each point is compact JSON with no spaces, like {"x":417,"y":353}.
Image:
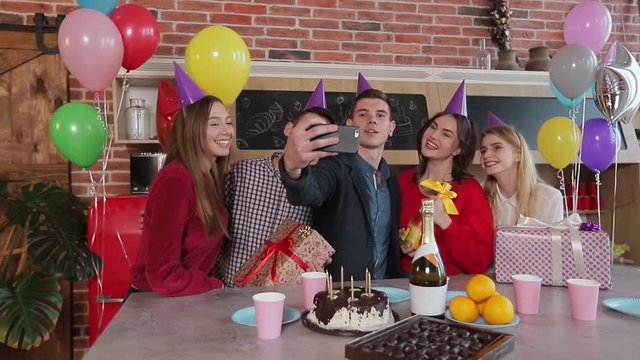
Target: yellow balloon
{"x":218,"y":60}
{"x":558,"y":141}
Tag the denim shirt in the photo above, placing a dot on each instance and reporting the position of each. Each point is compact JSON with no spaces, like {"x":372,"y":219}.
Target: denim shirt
{"x":380,"y":206}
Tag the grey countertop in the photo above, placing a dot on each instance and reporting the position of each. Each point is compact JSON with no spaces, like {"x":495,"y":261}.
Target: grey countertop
{"x":199,"y":327}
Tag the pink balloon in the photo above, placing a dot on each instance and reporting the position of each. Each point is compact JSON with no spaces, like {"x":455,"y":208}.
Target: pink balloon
{"x":588,"y":24}
{"x":91,"y":48}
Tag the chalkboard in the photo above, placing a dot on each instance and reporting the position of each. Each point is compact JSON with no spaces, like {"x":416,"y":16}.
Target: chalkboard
{"x":526,"y":114}
{"x":262,"y":114}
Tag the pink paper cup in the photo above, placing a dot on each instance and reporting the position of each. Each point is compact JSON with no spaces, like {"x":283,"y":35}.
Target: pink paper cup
{"x":312,"y":283}
{"x":269,"y":309}
{"x":583,"y":296}
{"x":527,"y":289}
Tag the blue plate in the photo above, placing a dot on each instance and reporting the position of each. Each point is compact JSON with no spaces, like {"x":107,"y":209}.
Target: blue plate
{"x":629,"y":306}
{"x":395,"y":295}
{"x":480,"y":323}
{"x":247,"y":316}
{"x":452,"y":294}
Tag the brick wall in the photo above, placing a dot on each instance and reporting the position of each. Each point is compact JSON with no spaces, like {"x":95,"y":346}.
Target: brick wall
{"x":441,"y":33}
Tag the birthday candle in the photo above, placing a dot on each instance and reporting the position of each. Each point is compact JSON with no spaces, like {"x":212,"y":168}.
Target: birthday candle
{"x":366,"y":280}
{"x":352,"y":297}
{"x":341,"y":278}
{"x":330,"y":284}
{"x":326,"y":273}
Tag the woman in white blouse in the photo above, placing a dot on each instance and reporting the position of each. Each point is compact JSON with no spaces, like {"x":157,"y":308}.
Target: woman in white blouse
{"x":512,"y":183}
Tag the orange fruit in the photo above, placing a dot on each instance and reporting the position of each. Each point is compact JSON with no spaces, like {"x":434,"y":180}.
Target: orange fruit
{"x":498,"y":310}
{"x":480,"y":287}
{"x":463,"y":309}
{"x":481,"y":306}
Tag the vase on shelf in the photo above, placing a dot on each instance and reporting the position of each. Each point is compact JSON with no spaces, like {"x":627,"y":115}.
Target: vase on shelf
{"x":538,"y":59}
{"x":482,"y":60}
{"x":138,"y":120}
{"x":507,"y":60}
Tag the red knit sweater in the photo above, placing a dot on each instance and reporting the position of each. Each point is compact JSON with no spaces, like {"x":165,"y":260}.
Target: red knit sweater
{"x":176,"y":254}
{"x":467,"y":245}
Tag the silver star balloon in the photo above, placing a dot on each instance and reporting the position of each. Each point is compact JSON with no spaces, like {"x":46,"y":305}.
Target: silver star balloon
{"x":616,"y":91}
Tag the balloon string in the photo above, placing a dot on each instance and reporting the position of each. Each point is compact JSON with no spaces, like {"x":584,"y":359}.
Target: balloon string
{"x":100,"y":214}
{"x":560,"y":175}
{"x":578,"y":161}
{"x":597,"y":178}
{"x":615,"y":196}
{"x":125,"y":88}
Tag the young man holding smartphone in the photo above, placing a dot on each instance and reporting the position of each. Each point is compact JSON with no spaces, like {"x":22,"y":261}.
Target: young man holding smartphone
{"x":252,"y":222}
{"x":354,"y":198}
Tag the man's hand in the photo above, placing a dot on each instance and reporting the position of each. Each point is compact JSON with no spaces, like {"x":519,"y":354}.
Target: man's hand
{"x":301,"y":150}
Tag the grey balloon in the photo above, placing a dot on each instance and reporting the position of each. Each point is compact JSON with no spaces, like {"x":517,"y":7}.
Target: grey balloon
{"x":616,"y":91}
{"x":572,"y":69}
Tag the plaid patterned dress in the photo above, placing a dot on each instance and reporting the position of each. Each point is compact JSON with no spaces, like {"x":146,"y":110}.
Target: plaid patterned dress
{"x":257,"y":204}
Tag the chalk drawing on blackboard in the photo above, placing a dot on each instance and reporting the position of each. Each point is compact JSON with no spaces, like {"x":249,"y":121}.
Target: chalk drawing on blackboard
{"x":403,"y":121}
{"x":343,"y":109}
{"x":278,"y":142}
{"x":262,"y":115}
{"x":263,"y":121}
{"x":242,"y":143}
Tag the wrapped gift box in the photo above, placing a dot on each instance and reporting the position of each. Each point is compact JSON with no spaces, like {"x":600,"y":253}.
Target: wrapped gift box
{"x":285,"y":256}
{"x":554,"y":254}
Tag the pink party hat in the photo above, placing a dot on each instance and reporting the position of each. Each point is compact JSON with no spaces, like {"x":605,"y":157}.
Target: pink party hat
{"x":317,"y":99}
{"x":458,"y":103}
{"x":494,"y":121}
{"x":188,"y":91}
{"x":363,"y":84}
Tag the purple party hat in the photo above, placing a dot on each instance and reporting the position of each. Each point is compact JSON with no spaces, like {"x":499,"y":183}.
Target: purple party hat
{"x":458,"y":103}
{"x":188,"y":91}
{"x":363,"y":84}
{"x":494,"y":121}
{"x":317,"y":99}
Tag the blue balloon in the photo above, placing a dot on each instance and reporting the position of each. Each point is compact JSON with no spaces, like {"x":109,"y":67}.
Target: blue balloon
{"x":565,"y":100}
{"x":104,"y":6}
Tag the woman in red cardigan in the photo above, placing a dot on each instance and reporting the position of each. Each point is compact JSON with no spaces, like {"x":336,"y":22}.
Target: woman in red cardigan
{"x":446,"y":147}
{"x":185,"y":222}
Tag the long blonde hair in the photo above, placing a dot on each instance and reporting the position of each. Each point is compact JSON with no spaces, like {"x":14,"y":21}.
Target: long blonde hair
{"x":526,"y":174}
{"x":188,"y":143}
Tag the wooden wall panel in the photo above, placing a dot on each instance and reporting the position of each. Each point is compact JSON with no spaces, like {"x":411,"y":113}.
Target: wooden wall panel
{"x":32,"y":87}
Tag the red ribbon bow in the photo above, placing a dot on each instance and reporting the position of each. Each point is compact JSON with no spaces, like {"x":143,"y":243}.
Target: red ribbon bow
{"x":271,"y":250}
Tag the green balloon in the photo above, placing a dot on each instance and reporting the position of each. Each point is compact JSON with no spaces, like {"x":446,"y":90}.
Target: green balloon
{"x":79,"y":133}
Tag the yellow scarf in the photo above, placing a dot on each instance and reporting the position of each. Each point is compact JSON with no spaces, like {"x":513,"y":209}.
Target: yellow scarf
{"x":444,"y":193}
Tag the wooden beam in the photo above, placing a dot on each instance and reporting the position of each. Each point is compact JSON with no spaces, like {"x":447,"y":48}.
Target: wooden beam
{"x":21,"y":40}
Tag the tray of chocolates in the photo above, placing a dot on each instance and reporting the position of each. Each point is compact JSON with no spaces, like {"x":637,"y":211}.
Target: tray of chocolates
{"x":422,"y":337}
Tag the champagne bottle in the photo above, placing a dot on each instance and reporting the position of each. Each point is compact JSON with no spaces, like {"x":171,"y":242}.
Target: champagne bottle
{"x":428,"y":280}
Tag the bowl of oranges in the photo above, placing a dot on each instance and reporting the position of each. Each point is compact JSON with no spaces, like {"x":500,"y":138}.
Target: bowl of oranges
{"x":482,"y":306}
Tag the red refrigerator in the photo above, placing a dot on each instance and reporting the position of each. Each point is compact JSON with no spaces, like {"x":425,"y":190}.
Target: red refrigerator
{"x":114,"y":233}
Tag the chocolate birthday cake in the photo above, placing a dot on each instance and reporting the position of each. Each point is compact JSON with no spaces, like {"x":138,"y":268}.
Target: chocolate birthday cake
{"x":365,"y":311}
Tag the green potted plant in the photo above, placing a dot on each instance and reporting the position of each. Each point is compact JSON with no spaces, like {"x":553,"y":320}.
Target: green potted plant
{"x":50,"y":224}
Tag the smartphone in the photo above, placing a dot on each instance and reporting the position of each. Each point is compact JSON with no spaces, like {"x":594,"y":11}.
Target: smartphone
{"x":349,"y":139}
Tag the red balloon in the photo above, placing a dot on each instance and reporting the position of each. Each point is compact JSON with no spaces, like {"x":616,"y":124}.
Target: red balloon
{"x":166,"y":109}
{"x":140,"y":33}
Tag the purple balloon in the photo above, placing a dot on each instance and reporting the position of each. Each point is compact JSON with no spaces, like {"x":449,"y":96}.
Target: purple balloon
{"x":598,"y":144}
{"x":588,"y":24}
